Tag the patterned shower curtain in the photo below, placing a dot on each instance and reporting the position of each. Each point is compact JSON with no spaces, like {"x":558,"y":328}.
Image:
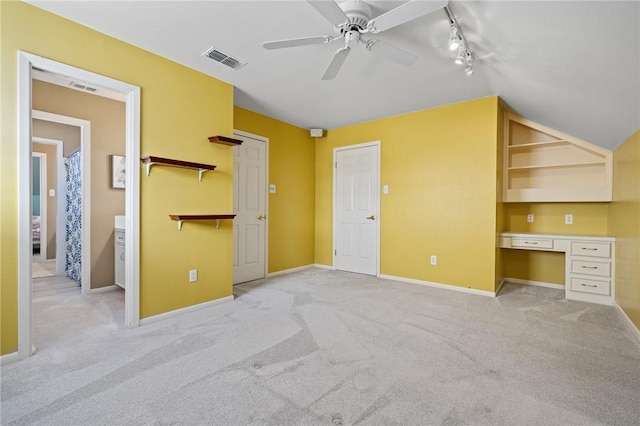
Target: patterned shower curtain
{"x":73,"y":238}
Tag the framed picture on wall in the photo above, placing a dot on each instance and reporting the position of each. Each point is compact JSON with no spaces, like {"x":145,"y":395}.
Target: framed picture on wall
{"x":118,"y":171}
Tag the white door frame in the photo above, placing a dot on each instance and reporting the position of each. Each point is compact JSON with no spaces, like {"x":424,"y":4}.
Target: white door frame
{"x":61,"y":193}
{"x":335,"y":198}
{"x":132,"y":196}
{"x":43,"y":203}
{"x":85,"y":188}
{"x":266,"y":189}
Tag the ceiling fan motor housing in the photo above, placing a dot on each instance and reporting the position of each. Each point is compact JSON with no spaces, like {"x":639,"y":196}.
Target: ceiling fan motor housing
{"x":359,"y":14}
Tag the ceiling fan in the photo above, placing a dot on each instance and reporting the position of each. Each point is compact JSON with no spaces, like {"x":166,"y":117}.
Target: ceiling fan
{"x":351,"y":20}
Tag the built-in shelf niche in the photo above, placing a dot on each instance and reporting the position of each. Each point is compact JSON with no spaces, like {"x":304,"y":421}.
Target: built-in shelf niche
{"x":152,"y":160}
{"x":542,"y":164}
{"x":180,"y":218}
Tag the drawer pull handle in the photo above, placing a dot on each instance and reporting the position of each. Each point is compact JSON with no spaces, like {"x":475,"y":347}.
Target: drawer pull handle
{"x":588,"y":248}
{"x":588,"y":285}
{"x":531,"y":242}
{"x":589,"y":267}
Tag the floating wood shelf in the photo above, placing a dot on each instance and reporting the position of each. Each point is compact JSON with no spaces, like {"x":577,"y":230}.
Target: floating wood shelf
{"x":223,"y":140}
{"x":153,"y":160}
{"x":217,"y":217}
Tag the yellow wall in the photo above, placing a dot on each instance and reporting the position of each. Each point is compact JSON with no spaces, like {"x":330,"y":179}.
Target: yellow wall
{"x":588,"y":218}
{"x":624,"y":224}
{"x":291,"y":169}
{"x":180,"y":109}
{"x":440,"y":165}
{"x":500,"y":206}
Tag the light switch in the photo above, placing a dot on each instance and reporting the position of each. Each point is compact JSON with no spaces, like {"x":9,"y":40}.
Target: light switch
{"x":385,"y":189}
{"x":52,"y":193}
{"x":272,"y":189}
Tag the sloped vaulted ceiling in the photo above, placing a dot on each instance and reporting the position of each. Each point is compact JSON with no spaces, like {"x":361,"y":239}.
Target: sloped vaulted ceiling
{"x":570,"y":65}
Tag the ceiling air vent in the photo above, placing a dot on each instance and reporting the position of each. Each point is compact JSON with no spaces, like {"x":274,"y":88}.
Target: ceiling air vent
{"x":81,"y":86}
{"x":223,"y":58}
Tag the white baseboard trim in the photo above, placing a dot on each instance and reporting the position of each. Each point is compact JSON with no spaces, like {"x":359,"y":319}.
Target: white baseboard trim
{"x":329,"y":267}
{"x":534,"y":283}
{"x":181,"y":311}
{"x":288,"y":271}
{"x":104,"y":289}
{"x":632,"y":327}
{"x":439,"y":285}
{"x":7,"y":358}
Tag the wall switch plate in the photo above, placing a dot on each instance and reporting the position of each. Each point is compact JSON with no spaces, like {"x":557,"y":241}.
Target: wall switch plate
{"x":193,"y":275}
{"x":434,"y":260}
{"x":52,"y":193}
{"x":272,"y":189}
{"x":568,"y":219}
{"x":530,"y":218}
{"x":385,"y":189}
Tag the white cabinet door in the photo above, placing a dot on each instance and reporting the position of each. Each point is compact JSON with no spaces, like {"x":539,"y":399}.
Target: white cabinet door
{"x":356,"y":210}
{"x":249,"y":199}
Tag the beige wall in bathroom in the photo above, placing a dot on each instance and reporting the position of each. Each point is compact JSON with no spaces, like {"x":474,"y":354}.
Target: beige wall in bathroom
{"x":69,"y":135}
{"x":108,"y":125}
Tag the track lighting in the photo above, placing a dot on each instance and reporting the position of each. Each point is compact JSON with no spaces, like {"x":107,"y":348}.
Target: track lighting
{"x":460,"y":59}
{"x":458,"y":42}
{"x":468,"y":70}
{"x":454,"y":38}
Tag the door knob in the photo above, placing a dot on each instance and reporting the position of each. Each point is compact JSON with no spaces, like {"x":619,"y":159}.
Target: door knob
{"x":262,"y":217}
{"x":372,"y":217}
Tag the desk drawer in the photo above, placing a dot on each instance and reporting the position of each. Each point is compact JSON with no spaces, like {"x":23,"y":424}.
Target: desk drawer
{"x":591,"y":286}
{"x":579,"y":248}
{"x":602,"y":269}
{"x":532,"y":243}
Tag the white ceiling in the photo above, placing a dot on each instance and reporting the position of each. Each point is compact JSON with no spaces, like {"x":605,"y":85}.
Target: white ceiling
{"x":573,"y":66}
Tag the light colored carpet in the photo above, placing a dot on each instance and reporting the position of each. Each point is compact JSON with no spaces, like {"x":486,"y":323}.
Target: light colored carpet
{"x":326,"y":347}
{"x":43,"y":269}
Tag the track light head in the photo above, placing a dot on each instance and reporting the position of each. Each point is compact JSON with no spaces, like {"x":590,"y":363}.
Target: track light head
{"x":461,"y":58}
{"x":454,"y":39}
{"x":468,"y":70}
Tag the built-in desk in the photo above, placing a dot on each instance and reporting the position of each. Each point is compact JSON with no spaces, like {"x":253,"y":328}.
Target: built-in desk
{"x":589,"y":262}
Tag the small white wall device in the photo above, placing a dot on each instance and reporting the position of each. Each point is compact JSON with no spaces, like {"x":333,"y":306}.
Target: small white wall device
{"x":316,"y":133}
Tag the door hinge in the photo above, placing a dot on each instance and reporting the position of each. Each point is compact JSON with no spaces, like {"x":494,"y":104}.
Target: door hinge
{"x":335,"y":252}
{"x":336,"y":164}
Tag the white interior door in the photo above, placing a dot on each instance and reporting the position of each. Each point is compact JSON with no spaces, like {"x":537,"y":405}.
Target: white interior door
{"x":249,"y":199}
{"x":357,"y":208}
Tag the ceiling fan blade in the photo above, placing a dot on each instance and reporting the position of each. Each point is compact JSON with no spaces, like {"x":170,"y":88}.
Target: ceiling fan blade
{"x":392,"y":52}
{"x":293,"y":42}
{"x":330,"y":10}
{"x":404,"y":13}
{"x":336,"y":63}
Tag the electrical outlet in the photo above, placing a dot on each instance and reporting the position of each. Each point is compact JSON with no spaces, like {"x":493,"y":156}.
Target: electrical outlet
{"x":568,"y":219}
{"x":530,"y":218}
{"x":434,"y":260}
{"x":193,"y":275}
{"x":272,"y":189}
{"x":385,"y":189}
